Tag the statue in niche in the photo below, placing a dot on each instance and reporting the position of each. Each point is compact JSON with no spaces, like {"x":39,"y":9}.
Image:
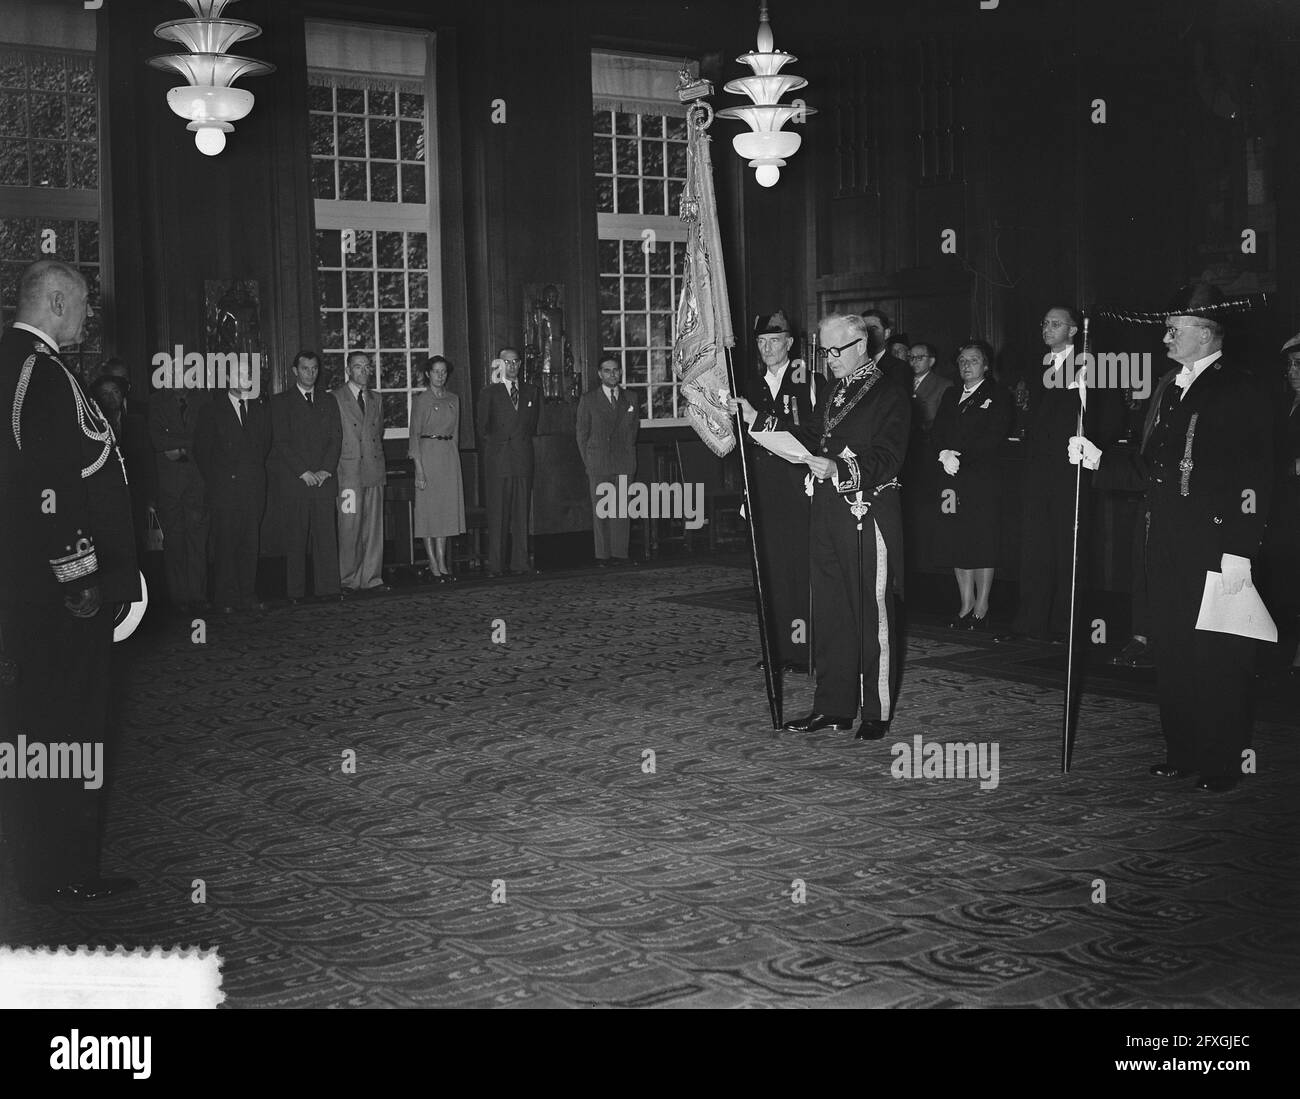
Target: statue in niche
{"x":548,"y":358}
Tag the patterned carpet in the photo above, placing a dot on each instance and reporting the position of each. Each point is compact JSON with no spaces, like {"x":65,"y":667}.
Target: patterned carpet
{"x":521,"y":769}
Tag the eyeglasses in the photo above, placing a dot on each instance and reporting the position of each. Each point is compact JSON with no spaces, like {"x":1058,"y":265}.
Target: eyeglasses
{"x":835,"y":352}
{"x":1172,"y":329}
{"x":917,"y":358}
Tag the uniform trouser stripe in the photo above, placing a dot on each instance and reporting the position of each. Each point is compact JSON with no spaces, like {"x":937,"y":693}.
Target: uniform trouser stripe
{"x":882,"y":623}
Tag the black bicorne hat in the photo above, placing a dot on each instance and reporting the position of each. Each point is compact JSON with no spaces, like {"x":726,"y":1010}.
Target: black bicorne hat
{"x":772,"y":324}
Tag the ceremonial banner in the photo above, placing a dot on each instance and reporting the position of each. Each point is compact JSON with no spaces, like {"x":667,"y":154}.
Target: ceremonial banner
{"x":704,"y":314}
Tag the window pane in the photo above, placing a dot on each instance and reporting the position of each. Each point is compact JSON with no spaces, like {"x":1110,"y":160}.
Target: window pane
{"x":362,"y":254}
{"x":604,"y":195}
{"x":652,"y":158}
{"x":322,"y":179}
{"x":609,"y":293}
{"x":13,"y":114}
{"x":624,"y":123}
{"x":327,"y":248}
{"x":389,"y":248}
{"x":352,"y":136}
{"x":46,"y":72}
{"x":634,"y":294}
{"x":321,"y":134}
{"x":82,"y":123}
{"x":412,"y":105}
{"x":626,"y":157}
{"x":352,"y":180}
{"x":392,"y":290}
{"x":88,"y":242}
{"x":382,"y":103}
{"x":636,"y":367}
{"x":677,"y":161}
{"x":351,"y":101}
{"x":607,"y":254}
{"x":675,"y":127}
{"x":604,"y":156}
{"x":602,"y":122}
{"x":633,"y":258}
{"x":412,"y":140}
{"x":652,"y":125}
{"x":629,"y":197}
{"x":418,"y":329}
{"x":360,"y":290}
{"x":383,"y":182}
{"x":417,"y":251}
{"x":320,"y":98}
{"x":661,"y":293}
{"x":331,"y":289}
{"x":395,"y":410}
{"x":611,"y":330}
{"x":634,"y":329}
{"x":360,"y":331}
{"x":383,"y":138}
{"x":662,"y":402}
{"x":14,"y":163}
{"x":331,"y":329}
{"x":49,"y":164}
{"x":392,"y":329}
{"x":417,"y":289}
{"x":412,"y":182}
{"x":652,"y":199}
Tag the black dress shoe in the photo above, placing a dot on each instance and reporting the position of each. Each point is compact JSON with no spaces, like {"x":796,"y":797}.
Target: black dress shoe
{"x":1163,"y":770}
{"x":815,"y":721}
{"x":978,"y":623}
{"x":1007,"y":638}
{"x":961,"y":622}
{"x":871,"y":729}
{"x":602,"y":563}
{"x":92,"y":889}
{"x":1217,"y":785}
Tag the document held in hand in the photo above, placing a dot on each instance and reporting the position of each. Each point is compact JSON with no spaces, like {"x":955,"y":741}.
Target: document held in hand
{"x":782,"y":444}
{"x":1243,"y":614}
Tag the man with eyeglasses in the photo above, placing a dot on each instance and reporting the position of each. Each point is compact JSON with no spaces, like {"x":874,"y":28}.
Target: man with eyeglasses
{"x":1207,"y":470}
{"x":928,"y":388}
{"x":1047,"y":542}
{"x":508,"y":411}
{"x":857,"y":439}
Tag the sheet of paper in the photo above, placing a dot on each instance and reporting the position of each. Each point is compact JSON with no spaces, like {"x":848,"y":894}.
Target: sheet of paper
{"x":782,"y":444}
{"x":1243,"y":614}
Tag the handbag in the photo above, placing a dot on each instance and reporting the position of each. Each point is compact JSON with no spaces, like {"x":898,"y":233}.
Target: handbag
{"x":153,"y":532}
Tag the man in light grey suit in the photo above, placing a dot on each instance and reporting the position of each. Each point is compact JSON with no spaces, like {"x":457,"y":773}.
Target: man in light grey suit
{"x":607,"y":425}
{"x":361,"y":481}
{"x":927,"y":386}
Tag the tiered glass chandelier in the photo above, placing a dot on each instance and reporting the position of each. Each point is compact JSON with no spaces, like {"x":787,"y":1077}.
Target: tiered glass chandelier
{"x":767,"y":144}
{"x":208,"y":100}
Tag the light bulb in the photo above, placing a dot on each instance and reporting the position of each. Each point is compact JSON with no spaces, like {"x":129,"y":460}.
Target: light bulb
{"x":766,"y":40}
{"x":210,"y":140}
{"x":767,"y":174}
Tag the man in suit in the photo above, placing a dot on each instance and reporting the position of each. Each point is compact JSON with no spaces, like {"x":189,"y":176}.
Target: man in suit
{"x":231,"y":441}
{"x":783,"y":397}
{"x":927,"y":387}
{"x":361,"y":479}
{"x":508,"y":412}
{"x":306,"y":440}
{"x":857,"y":440}
{"x":607,"y":425}
{"x":182,"y":496}
{"x":1207,"y":470}
{"x":1056,"y":398}
{"x":879,"y":330}
{"x":920,"y":471}
{"x":67,"y":561}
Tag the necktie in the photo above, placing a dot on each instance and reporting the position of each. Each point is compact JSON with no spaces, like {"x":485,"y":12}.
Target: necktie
{"x":183,"y":405}
{"x":243,"y":413}
{"x":611,"y":393}
{"x":514,"y":396}
{"x":361,"y":400}
{"x":308,"y":395}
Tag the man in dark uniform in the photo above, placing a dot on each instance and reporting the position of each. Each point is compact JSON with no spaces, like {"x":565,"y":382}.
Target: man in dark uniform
{"x":231,"y":442}
{"x":1207,"y":470}
{"x":857,"y":439}
{"x":783,"y":398}
{"x":1056,"y":396}
{"x":508,"y":412}
{"x":306,"y":440}
{"x":606,"y":428}
{"x":67,"y":559}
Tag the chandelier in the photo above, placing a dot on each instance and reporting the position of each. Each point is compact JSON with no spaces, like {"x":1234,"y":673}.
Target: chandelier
{"x":766,"y":145}
{"x":208,"y":100}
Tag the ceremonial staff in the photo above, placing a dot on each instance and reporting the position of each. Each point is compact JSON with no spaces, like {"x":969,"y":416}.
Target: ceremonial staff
{"x":1066,"y":730}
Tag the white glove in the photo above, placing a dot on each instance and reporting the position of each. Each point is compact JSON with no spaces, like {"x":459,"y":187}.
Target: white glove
{"x":1235,"y":573}
{"x":948,"y":459}
{"x":1081,"y":450}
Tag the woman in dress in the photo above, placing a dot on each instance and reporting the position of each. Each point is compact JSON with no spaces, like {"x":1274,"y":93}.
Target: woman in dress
{"x":972,"y":421}
{"x":439,"y":491}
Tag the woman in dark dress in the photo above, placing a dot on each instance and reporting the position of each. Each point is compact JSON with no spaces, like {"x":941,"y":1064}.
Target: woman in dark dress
{"x":970,"y":426}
